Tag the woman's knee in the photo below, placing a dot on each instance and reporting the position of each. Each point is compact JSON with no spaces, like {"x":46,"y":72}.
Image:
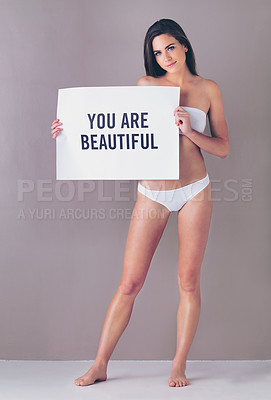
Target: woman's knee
{"x":131,"y":288}
{"x":189,"y":281}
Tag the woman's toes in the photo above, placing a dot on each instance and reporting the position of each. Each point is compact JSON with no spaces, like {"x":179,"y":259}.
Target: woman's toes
{"x":171,"y":382}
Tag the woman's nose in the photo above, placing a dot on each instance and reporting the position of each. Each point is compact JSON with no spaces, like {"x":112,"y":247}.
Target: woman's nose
{"x":168,"y":57}
{"x":167,"y":61}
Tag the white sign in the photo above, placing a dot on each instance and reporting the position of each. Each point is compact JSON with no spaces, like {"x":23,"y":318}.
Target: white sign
{"x":126,"y":132}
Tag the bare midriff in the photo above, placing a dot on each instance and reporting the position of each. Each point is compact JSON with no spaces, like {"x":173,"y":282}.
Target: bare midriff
{"x":191,"y":163}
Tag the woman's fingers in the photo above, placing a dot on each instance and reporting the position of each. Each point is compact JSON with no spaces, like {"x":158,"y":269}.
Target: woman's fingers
{"x":178,"y":120}
{"x":178,"y":117}
{"x":179,"y":114}
{"x":54,"y":124}
{"x":54,"y":128}
{"x":178,"y":109}
{"x":56,"y":132}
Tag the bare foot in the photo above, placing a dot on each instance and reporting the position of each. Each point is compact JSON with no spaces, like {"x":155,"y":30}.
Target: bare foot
{"x":177,"y":377}
{"x":95,"y":373}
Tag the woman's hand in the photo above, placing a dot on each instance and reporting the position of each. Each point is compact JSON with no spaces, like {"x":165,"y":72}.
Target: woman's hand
{"x":54,"y":130}
{"x":182,"y":120}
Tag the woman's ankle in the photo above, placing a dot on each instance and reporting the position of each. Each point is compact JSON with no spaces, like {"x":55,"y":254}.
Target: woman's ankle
{"x":180,"y":362}
{"x":101,"y":363}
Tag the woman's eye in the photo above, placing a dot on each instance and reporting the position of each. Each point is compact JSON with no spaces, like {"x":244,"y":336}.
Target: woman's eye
{"x":158,"y":52}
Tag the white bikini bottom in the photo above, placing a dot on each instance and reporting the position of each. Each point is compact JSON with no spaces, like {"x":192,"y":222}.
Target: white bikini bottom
{"x":175,"y":199}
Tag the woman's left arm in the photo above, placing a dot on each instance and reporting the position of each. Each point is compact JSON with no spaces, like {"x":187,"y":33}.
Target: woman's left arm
{"x":218,"y":144}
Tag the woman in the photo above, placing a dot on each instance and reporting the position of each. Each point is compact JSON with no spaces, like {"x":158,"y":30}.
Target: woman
{"x":169,"y":61}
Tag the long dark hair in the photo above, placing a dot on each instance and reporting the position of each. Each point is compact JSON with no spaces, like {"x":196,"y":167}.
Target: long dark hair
{"x":172,"y":28}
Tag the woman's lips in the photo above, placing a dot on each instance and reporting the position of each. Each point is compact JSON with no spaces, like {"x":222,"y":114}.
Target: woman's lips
{"x":170,"y":65}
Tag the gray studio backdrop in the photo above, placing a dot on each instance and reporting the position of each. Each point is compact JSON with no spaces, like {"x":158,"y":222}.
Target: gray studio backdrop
{"x":62,"y":243}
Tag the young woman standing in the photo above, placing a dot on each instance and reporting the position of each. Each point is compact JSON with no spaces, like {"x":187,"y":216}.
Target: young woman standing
{"x":169,"y":61}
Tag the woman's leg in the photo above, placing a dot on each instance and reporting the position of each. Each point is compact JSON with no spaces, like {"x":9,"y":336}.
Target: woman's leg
{"x":147,"y":224}
{"x":193,"y":229}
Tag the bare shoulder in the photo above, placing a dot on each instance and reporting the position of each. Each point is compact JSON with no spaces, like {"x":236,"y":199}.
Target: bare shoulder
{"x":213,"y":91}
{"x":146,"y":81}
{"x":212,"y":88}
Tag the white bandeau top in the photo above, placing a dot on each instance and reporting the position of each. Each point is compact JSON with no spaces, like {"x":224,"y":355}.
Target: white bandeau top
{"x":197,"y":119}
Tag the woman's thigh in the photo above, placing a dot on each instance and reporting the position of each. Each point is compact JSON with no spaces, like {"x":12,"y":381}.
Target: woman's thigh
{"x":193,"y":229}
{"x":148,"y":221}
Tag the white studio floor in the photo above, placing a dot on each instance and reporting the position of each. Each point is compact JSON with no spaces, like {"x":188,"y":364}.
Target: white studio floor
{"x":136,"y":380}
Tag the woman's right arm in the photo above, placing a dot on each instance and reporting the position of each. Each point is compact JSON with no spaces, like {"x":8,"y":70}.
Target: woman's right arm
{"x":54,"y":130}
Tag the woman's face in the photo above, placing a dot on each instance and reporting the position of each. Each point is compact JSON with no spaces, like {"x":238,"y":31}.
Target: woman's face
{"x":169,"y":52}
